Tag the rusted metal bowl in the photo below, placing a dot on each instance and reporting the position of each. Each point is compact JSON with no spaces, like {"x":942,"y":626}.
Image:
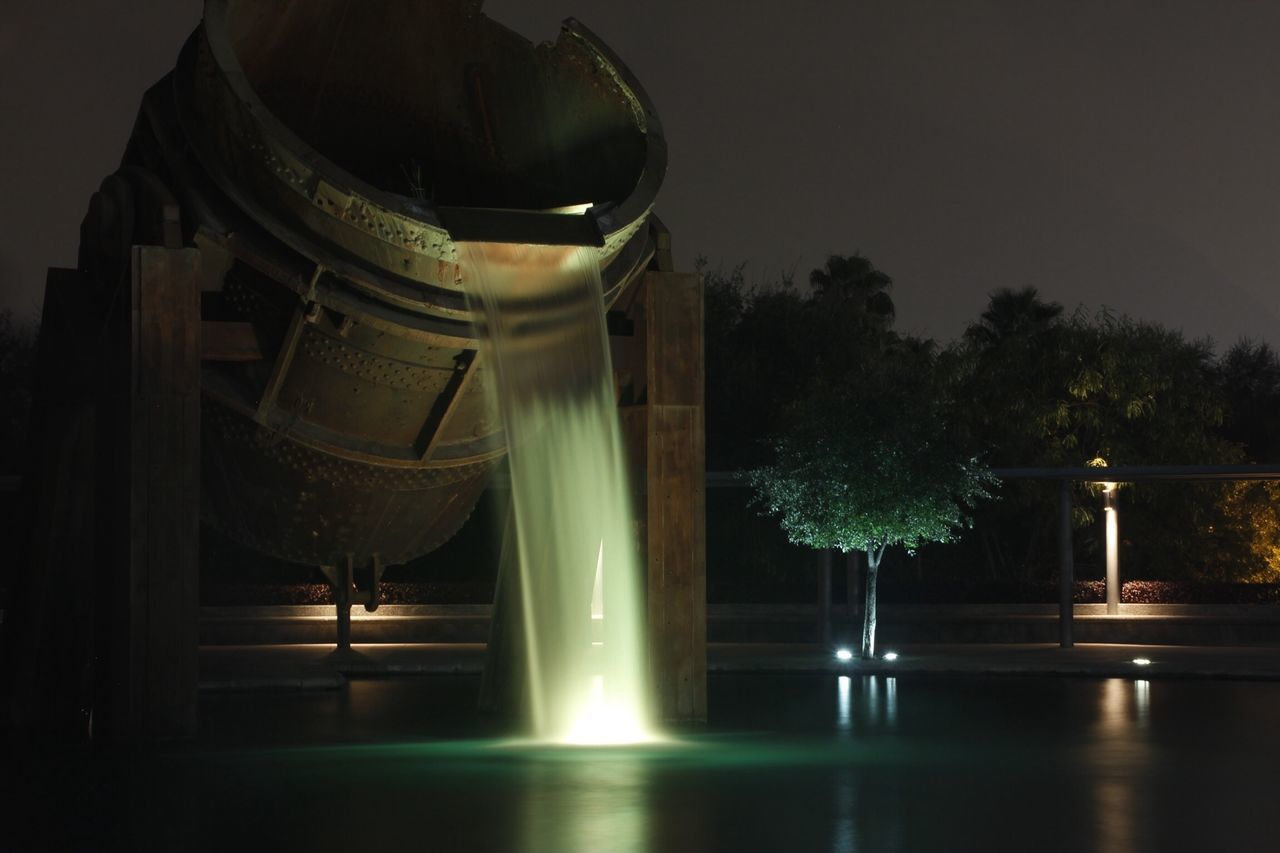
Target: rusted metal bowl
{"x":328,"y":154}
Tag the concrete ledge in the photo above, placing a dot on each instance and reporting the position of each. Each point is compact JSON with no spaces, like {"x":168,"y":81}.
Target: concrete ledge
{"x":1159,"y":624}
{"x":282,"y":681}
{"x":306,"y":666}
{"x":313,"y":624}
{"x":1102,"y":660}
{"x":303,"y":667}
{"x":1172,"y":624}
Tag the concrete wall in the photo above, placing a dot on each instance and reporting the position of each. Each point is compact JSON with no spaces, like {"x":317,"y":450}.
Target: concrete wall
{"x":1156,"y":624}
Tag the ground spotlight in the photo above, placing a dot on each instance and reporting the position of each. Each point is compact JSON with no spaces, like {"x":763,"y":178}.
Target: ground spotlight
{"x":890,"y":655}
{"x":1142,"y":661}
{"x":844,"y":654}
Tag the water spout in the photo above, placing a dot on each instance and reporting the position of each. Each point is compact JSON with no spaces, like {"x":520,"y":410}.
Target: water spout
{"x":546,"y":346}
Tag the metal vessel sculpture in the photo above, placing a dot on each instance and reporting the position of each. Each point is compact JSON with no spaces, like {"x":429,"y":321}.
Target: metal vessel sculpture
{"x":324,"y":156}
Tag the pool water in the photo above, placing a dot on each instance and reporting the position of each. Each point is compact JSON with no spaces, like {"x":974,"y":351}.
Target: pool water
{"x":787,"y":763}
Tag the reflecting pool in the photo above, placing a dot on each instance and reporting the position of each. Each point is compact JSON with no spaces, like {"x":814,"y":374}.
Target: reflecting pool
{"x":788,"y":763}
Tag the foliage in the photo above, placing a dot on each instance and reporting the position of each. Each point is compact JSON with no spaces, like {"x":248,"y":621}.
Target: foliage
{"x":766,"y":341}
{"x":1250,"y":526}
{"x":868,"y":463}
{"x":1249,"y":376}
{"x":17,"y":355}
{"x":1049,"y":391}
{"x":755,"y":337}
{"x":1036,"y":386}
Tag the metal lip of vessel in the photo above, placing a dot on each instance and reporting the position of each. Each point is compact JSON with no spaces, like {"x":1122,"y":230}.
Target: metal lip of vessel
{"x":394,"y":248}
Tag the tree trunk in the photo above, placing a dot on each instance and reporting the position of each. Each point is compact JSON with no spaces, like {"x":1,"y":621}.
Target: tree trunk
{"x":869,"y":609}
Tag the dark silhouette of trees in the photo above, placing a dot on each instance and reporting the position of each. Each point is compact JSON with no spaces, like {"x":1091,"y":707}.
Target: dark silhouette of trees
{"x":1013,"y":315}
{"x":1032,"y":385}
{"x":17,"y":355}
{"x":765,"y":343}
{"x":1249,"y":375}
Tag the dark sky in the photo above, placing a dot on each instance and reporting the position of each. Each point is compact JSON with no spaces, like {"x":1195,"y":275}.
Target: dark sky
{"x":1119,"y":152}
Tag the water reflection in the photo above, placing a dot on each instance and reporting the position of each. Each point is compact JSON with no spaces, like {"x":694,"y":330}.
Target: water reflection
{"x":874,"y":703}
{"x":1142,"y":701}
{"x":871,"y":706}
{"x":844,"y":706}
{"x":844,"y":824}
{"x":587,"y":802}
{"x":1120,"y":751}
{"x":844,"y":837}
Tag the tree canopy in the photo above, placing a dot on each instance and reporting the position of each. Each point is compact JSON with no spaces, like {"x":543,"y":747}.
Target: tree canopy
{"x":1028,"y":384}
{"x":1049,"y":390}
{"x":17,"y":354}
{"x":870,"y":463}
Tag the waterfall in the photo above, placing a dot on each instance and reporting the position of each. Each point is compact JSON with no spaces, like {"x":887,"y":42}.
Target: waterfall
{"x":546,"y":348}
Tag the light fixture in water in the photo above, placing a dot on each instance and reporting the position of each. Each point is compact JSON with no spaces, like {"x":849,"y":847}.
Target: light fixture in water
{"x":844,"y":654}
{"x":890,"y":655}
{"x":1142,"y":661}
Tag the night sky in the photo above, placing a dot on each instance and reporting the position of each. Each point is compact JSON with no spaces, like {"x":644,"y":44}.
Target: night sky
{"x":1107,"y":152}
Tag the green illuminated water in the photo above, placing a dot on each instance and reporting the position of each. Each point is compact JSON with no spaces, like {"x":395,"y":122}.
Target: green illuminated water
{"x":546,"y":348}
{"x":788,"y":762}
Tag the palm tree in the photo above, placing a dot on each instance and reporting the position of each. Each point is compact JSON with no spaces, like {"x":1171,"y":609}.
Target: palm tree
{"x":854,"y":280}
{"x":1012,"y":314}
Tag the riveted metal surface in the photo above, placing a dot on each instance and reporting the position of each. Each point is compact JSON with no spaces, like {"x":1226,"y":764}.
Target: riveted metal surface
{"x":254,"y":154}
{"x":278,"y":496}
{"x":365,"y":426}
{"x":382,"y":371}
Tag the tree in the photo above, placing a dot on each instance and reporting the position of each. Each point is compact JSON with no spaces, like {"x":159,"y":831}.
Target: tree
{"x":1013,"y":315}
{"x":17,"y":354}
{"x":868,"y":462}
{"x":1048,"y":390}
{"x":756,"y":343}
{"x":765,"y":341}
{"x":1249,"y":376}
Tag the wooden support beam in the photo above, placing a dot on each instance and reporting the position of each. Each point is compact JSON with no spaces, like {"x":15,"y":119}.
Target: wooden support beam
{"x":666,"y":443}
{"x":159,"y":639}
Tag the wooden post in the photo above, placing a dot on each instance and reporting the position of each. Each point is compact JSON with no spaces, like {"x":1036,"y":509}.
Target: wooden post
{"x":156,"y":671}
{"x":665,"y":433}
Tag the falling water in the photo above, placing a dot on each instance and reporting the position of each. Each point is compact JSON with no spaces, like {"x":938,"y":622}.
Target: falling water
{"x":547,"y":347}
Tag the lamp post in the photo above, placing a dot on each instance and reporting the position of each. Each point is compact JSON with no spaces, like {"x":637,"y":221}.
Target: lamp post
{"x":1113,"y":548}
